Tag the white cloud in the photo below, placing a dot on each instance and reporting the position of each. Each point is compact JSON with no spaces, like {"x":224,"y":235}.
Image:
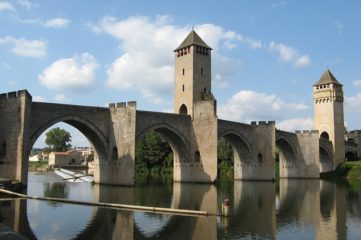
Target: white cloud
{"x":57,"y":23}
{"x":76,"y":73}
{"x":61,"y":98}
{"x":27,"y":4}
{"x":39,"y":99}
{"x":302,"y":61}
{"x":12,"y":82}
{"x":6,"y":6}
{"x":294,"y":124}
{"x":279,"y":4}
{"x":147,"y":62}
{"x":24,"y":47}
{"x":354,"y":102}
{"x":356,"y":83}
{"x":289,"y":54}
{"x":247,"y":106}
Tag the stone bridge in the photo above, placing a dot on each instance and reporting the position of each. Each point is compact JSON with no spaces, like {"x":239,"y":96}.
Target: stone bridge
{"x":114,"y":131}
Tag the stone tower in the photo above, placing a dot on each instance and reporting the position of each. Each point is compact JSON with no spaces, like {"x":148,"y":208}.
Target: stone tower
{"x":329,"y":117}
{"x":193,"y":97}
{"x":192,"y":73}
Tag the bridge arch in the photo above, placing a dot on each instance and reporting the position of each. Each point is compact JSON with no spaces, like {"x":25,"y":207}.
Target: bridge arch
{"x":88,"y":129}
{"x":242,"y":152}
{"x":177,"y":141}
{"x":351,"y":153}
{"x":326,"y":160}
{"x":287,"y":157}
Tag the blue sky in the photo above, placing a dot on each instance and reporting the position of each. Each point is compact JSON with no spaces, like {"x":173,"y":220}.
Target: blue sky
{"x":266,"y":54}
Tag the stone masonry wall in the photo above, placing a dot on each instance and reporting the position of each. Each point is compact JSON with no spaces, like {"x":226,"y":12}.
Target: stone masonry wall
{"x":119,"y":168}
{"x":15,"y":108}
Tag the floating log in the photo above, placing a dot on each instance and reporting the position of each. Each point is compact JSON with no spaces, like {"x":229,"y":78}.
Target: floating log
{"x":114,"y":205}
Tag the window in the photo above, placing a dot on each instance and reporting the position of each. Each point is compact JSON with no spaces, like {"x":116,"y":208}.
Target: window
{"x":259,"y":158}
{"x":115,"y":153}
{"x":201,"y":71}
{"x":183,"y":71}
{"x":183,"y":110}
{"x":183,"y":87}
{"x":197,"y":156}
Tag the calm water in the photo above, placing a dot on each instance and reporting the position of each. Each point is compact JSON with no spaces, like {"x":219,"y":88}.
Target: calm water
{"x":292,"y":209}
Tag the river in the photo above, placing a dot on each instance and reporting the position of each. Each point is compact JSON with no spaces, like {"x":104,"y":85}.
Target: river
{"x":288,"y":209}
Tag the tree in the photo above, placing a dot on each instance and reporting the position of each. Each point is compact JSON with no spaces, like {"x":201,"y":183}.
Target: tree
{"x":153,"y":151}
{"x":58,"y":140}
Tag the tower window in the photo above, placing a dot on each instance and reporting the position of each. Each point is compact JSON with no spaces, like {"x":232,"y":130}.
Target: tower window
{"x":183,"y":71}
{"x":205,"y":90}
{"x":201,"y":71}
{"x":183,"y":110}
{"x":183,"y":88}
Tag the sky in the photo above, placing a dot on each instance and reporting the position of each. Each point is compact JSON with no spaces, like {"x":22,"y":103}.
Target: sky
{"x":266,"y":54}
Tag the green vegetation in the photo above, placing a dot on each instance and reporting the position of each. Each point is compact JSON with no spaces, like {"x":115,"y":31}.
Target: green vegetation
{"x":153,"y":156}
{"x":38,"y":166}
{"x":225,"y":159}
{"x":345,"y":170}
{"x":58,"y":140}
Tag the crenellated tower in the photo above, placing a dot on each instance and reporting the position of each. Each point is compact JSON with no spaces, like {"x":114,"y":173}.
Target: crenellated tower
{"x":193,"y":97}
{"x":192,"y":73}
{"x":329,"y":116}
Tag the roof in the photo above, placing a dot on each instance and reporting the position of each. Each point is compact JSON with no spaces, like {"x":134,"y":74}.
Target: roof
{"x":327,"y":78}
{"x":192,"y":39}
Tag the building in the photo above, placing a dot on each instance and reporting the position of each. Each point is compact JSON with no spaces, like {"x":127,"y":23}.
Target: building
{"x":71,"y":157}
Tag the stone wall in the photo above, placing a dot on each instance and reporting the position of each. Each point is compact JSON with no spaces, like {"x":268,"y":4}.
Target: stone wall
{"x":118,"y":169}
{"x":15,"y":108}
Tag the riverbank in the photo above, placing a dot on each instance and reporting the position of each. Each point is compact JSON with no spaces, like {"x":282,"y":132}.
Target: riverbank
{"x":40,"y":166}
{"x":345,"y":170}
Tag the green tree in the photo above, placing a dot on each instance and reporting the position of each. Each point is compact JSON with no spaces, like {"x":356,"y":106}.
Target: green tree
{"x":58,"y":140}
{"x":152,"y":152}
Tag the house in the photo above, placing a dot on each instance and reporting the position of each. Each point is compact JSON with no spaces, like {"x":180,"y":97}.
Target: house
{"x":35,"y":158}
{"x":71,"y":157}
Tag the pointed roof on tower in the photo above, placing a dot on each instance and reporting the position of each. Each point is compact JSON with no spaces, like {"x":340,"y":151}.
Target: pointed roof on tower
{"x":326,"y":78}
{"x":192,"y":39}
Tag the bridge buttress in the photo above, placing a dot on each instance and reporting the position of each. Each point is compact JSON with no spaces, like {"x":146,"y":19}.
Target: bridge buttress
{"x":308,"y":142}
{"x":119,"y":168}
{"x":263,"y":149}
{"x":15,"y":109}
{"x":203,"y":165}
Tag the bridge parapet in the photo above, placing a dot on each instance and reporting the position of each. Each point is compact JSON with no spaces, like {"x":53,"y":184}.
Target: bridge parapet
{"x":15,"y":94}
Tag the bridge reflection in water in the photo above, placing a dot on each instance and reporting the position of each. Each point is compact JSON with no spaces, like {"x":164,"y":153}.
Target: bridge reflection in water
{"x":311,"y":209}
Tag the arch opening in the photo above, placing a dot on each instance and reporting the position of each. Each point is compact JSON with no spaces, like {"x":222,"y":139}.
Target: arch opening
{"x":326,"y":162}
{"x":183,"y":110}
{"x":324,"y":135}
{"x":351,"y":156}
{"x":171,"y":151}
{"x":234,"y":155}
{"x":87,"y":146}
{"x":286,"y":158}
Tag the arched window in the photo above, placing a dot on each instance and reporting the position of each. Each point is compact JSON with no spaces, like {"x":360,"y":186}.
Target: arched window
{"x":197,"y":156}
{"x":115,"y":153}
{"x":324,"y":135}
{"x":259,"y":158}
{"x":183,"y":110}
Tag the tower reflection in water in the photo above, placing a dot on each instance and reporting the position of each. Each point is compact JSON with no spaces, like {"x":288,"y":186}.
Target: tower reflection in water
{"x":310,"y":209}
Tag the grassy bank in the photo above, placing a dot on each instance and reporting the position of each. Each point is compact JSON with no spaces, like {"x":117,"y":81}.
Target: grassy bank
{"x":38,"y":166}
{"x":345,"y":170}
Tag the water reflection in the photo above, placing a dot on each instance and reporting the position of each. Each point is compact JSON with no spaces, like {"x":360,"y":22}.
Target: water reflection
{"x":254,"y":209}
{"x":55,"y":190}
{"x":303,"y":209}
